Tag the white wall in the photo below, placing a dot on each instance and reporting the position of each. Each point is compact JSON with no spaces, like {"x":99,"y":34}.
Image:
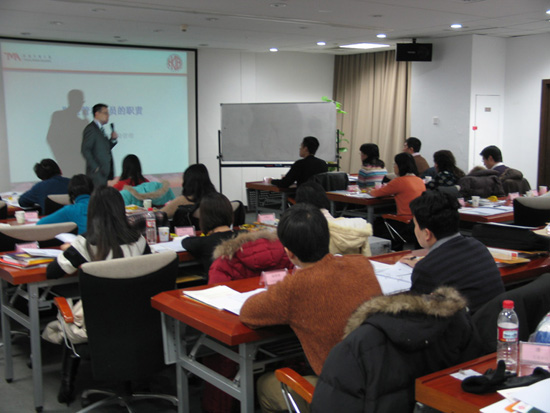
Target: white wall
{"x":527,"y":64}
{"x":236,"y":77}
{"x":441,"y":88}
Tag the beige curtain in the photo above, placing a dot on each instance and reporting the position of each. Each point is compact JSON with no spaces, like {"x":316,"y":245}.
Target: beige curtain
{"x":374,"y":90}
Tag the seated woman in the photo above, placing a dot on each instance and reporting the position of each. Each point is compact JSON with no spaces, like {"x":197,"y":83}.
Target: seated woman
{"x":216,"y":218}
{"x":52,"y":183}
{"x":196,"y":183}
{"x":80,"y":189}
{"x":373,"y":170}
{"x":347,"y":235}
{"x":448,"y":173}
{"x":131,"y":173}
{"x":108,"y":237}
{"x":405,"y":187}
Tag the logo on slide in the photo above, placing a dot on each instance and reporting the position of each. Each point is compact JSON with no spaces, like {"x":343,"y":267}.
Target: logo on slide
{"x":12,"y":56}
{"x":174,"y":63}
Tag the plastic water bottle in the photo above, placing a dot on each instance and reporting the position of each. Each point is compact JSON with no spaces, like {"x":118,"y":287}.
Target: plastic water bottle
{"x":151,"y":227}
{"x":542,"y":334}
{"x":507,"y":336}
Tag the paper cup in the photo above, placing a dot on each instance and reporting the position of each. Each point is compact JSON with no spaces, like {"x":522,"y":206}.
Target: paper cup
{"x":475,"y":201}
{"x":20,"y":217}
{"x":147,"y":203}
{"x":164,"y":234}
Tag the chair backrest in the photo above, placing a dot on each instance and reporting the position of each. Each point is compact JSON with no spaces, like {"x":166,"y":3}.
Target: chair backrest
{"x":44,"y":234}
{"x":531,"y":303}
{"x":124,"y":331}
{"x":3,"y":210}
{"x":54,"y":202}
{"x":532,"y":212}
{"x":331,"y":181}
{"x":239,"y":213}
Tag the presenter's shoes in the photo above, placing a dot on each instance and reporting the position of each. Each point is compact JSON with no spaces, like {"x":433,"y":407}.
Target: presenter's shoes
{"x":69,"y":370}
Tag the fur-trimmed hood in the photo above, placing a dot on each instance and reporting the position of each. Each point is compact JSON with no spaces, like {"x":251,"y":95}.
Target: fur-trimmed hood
{"x":443,"y":303}
{"x":229,"y":248}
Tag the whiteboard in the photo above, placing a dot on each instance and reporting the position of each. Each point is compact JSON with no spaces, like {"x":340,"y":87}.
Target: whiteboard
{"x":273,"y":132}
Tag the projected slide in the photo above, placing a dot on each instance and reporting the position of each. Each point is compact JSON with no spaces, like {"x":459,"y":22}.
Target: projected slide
{"x":50,"y":89}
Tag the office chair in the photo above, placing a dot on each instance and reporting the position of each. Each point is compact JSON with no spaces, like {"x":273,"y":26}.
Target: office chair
{"x":531,"y":303}
{"x":401,"y":232}
{"x":239,"y":213}
{"x":290,"y":380}
{"x":186,"y":216}
{"x":532,"y":212}
{"x":3,"y":210}
{"x":124,"y":332}
{"x":331,"y":181}
{"x":54,"y":202}
{"x":44,"y":234}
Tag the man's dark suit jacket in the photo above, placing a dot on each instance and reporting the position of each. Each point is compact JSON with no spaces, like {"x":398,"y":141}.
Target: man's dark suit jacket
{"x":96,"y":149}
{"x":301,"y":171}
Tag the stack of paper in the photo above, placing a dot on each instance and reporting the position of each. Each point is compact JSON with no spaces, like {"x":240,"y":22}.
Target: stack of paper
{"x":222,"y":297}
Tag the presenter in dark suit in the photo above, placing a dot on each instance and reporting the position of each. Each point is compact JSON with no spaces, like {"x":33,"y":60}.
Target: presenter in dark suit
{"x":305,"y":168}
{"x":96,"y":147}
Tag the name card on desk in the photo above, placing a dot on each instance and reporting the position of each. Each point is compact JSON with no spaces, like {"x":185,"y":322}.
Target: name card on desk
{"x":272,"y":277}
{"x":183,"y":231}
{"x":532,"y":355}
{"x":31,"y":216}
{"x":22,"y":246}
{"x":266,"y":218}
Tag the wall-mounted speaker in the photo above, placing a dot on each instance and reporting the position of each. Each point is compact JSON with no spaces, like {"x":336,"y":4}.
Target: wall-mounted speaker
{"x":413,"y":52}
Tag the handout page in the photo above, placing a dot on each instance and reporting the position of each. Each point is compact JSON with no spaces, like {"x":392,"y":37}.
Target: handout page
{"x":486,"y":211}
{"x":392,"y":278}
{"x":42,"y":252}
{"x":222,"y":297}
{"x":66,"y":237}
{"x":174,"y":245}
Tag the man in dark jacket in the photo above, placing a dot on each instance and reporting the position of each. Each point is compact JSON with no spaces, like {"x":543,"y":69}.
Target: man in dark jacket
{"x":453,"y":260}
{"x":389,"y":342}
{"x":305,"y":168}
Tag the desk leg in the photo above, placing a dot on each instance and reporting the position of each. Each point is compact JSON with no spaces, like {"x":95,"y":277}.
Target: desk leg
{"x":36,"y":351}
{"x":370,"y":214}
{"x":332,"y":207}
{"x":247,"y":354}
{"x":284,"y":201}
{"x":181,"y":375}
{"x":6,"y":333}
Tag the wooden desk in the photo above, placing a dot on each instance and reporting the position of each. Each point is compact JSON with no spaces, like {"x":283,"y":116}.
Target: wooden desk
{"x":353,"y":198}
{"x":219,"y":331}
{"x":443,"y":392}
{"x":261,"y":186}
{"x":504,"y":217}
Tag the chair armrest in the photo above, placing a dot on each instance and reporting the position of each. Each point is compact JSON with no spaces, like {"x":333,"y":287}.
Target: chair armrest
{"x":401,"y":218}
{"x":296,"y":382}
{"x":64,"y":309}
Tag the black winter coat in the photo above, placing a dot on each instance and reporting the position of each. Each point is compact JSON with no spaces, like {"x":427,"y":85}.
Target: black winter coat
{"x":389,"y":342}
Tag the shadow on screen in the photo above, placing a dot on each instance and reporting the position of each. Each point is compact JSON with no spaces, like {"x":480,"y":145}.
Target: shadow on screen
{"x":65,"y":134}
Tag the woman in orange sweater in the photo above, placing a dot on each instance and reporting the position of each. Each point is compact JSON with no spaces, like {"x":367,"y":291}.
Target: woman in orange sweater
{"x":406,"y":187}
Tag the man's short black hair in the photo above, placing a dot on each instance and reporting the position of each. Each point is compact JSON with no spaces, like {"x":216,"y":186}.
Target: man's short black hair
{"x":311,"y":143}
{"x":437,"y":211}
{"x":46,"y":169}
{"x":414,"y":143}
{"x":98,"y":108}
{"x":303,"y":230}
{"x":492,"y":151}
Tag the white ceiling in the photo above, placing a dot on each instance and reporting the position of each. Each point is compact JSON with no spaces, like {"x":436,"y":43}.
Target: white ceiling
{"x":257,"y":25}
